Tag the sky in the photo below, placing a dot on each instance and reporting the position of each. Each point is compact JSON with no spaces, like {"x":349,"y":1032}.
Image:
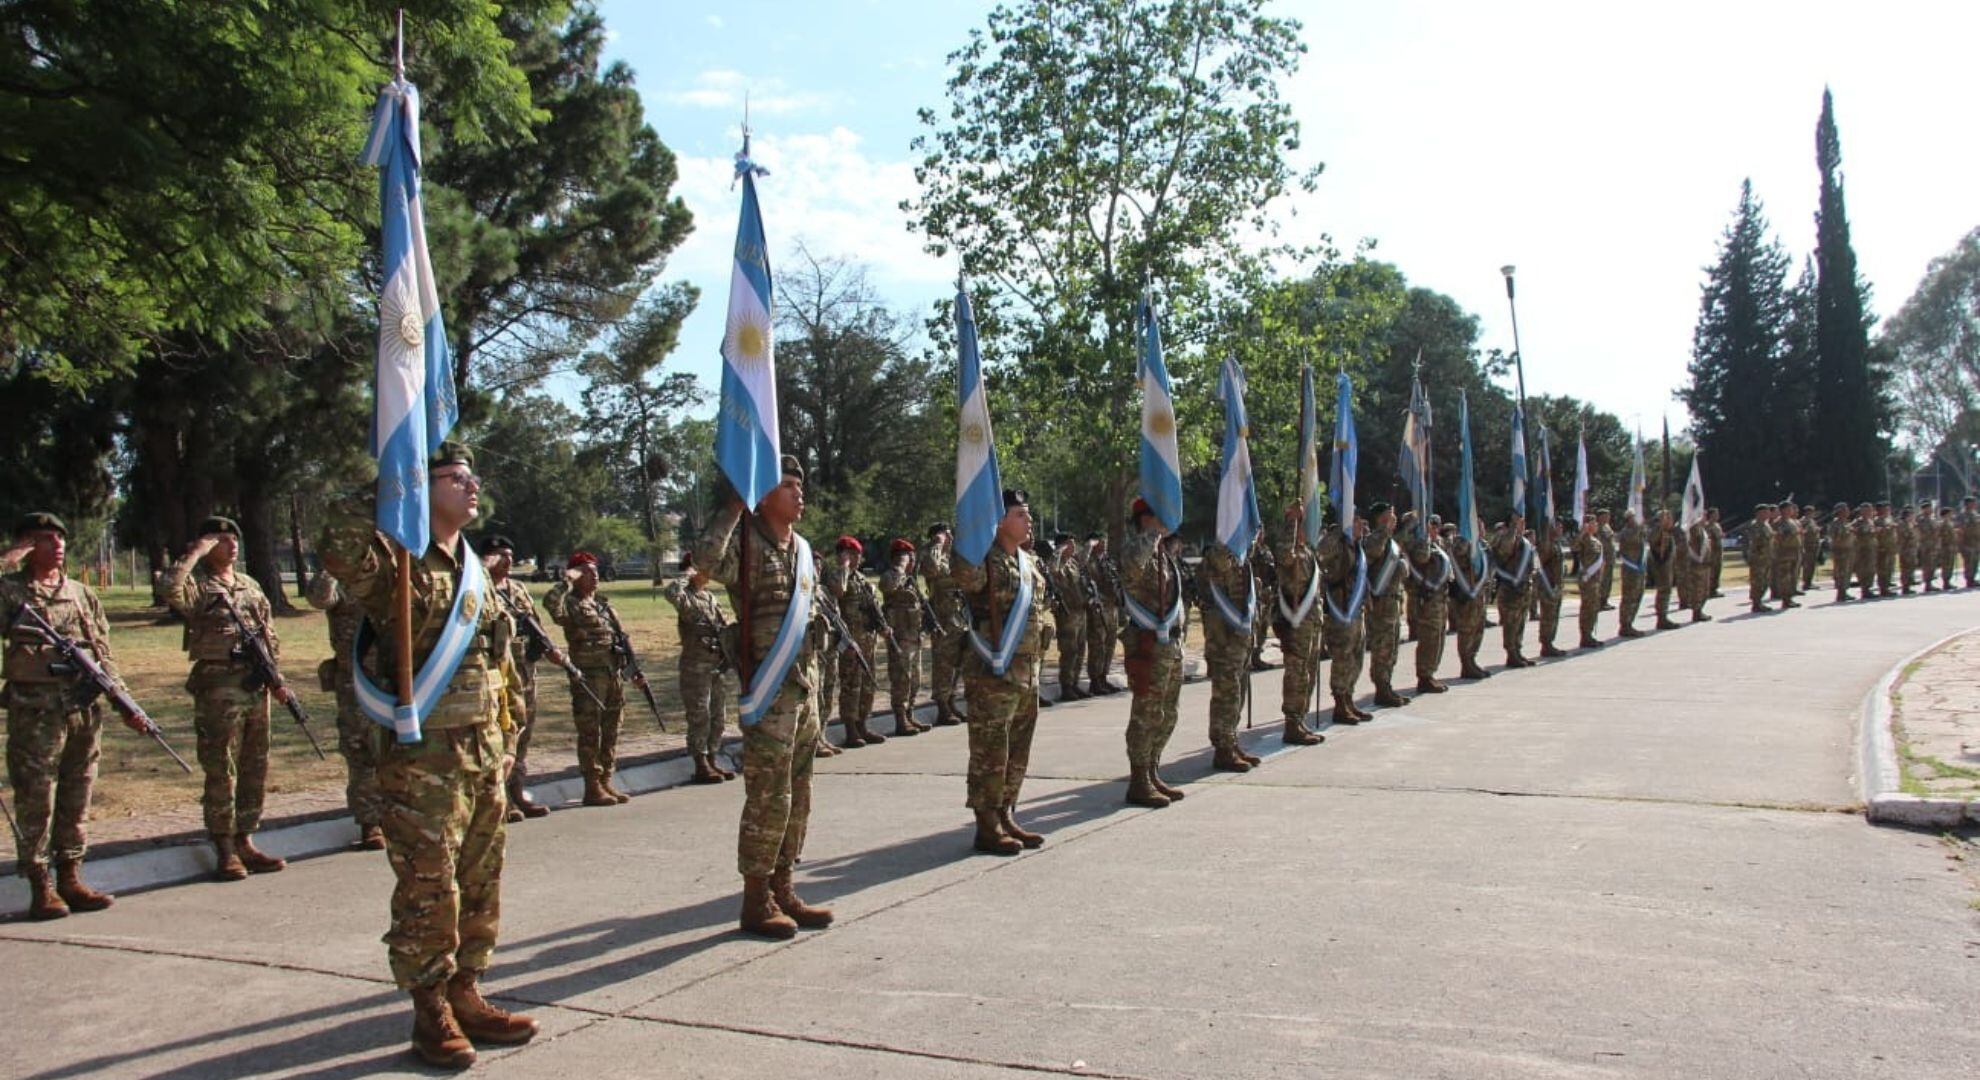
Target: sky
{"x":1598,"y":148}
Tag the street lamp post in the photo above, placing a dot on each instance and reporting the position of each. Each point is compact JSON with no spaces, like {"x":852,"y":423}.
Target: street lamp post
{"x":1519,"y":356}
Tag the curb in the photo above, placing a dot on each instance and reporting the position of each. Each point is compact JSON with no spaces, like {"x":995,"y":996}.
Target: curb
{"x":1879,"y":774}
{"x":177,"y":864}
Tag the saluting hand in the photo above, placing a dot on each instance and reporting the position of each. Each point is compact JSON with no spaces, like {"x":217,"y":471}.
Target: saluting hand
{"x":17,"y":552}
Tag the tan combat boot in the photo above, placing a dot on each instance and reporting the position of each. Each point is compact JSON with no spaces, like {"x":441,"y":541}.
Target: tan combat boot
{"x":1141,"y":791}
{"x":855,"y":738}
{"x":1008,"y":819}
{"x":43,"y":902}
{"x":1298,"y":734}
{"x":618,"y":794}
{"x":1247,"y":756}
{"x":1387,"y":698}
{"x":371,"y":838}
{"x":1227,"y":759}
{"x":1344,"y":711}
{"x":481,"y":1021}
{"x":595,"y":793}
{"x":256,"y":860}
{"x":991,"y":838}
{"x":436,"y":1037}
{"x":80,"y":897}
{"x":904,"y":724}
{"x":230,"y":868}
{"x":1169,"y":791}
{"x":705,"y":771}
{"x":760,"y":914}
{"x":788,"y":902}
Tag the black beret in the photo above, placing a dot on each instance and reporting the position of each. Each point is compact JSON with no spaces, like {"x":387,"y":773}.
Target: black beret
{"x":792,"y":468}
{"x":1377,"y":509}
{"x":1016,"y":497}
{"x":218,"y":524}
{"x":937,"y":529}
{"x":498,"y":543}
{"x":37,"y":521}
{"x":1062,"y":538}
{"x":450,"y":453}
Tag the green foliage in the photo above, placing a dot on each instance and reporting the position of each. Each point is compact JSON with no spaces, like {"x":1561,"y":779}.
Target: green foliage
{"x":1935,"y":340}
{"x":628,"y":404}
{"x":170,"y":164}
{"x":537,"y":489}
{"x":1852,"y":403}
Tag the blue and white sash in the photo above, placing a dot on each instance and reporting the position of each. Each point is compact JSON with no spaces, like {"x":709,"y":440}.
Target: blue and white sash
{"x":1385,"y":577}
{"x":1241,"y":622}
{"x":1468,"y":588}
{"x":1296,"y":617}
{"x":1517,"y":576}
{"x":1015,"y":622}
{"x":1547,"y":586}
{"x":1356,"y":596}
{"x":767,"y":681}
{"x":434,"y":676}
{"x":1162,"y":627}
{"x":1635,"y":567}
{"x":1594,"y":568}
{"x":1444,"y":570}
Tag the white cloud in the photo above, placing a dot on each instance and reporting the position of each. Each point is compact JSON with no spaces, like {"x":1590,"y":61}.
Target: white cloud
{"x":714,"y":21}
{"x":722,"y":88}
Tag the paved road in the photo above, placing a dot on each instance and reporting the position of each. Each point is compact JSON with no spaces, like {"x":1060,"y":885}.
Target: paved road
{"x":1641,"y":862}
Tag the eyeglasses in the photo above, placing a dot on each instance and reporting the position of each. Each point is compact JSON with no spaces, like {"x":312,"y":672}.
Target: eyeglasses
{"x":466,"y":481}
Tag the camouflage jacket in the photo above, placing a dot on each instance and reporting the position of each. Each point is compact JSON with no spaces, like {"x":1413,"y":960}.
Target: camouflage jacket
{"x":900,"y":602}
{"x":1219,"y":568}
{"x":1632,"y":544}
{"x":772,"y":579}
{"x":515,"y":599}
{"x":71,"y":607}
{"x":327,"y":596}
{"x":698,"y":617}
{"x":1787,"y":539}
{"x":194,"y":592}
{"x":990,"y":590}
{"x":1153,"y":579}
{"x":587,"y":626}
{"x":1379,"y":547}
{"x":937,"y":571}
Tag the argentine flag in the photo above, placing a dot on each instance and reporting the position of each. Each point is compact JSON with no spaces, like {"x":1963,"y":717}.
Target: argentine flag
{"x":1581,"y":479}
{"x":1161,"y":462}
{"x":1469,"y":526}
{"x":1309,"y":456}
{"x":747,"y":447}
{"x":1413,"y":459}
{"x":415,"y":405}
{"x":1637,"y":482}
{"x":1347,"y":453}
{"x":1543,"y":483}
{"x":1519,"y":461}
{"x":1237,"y":495}
{"x":1693,"y":511}
{"x":979,"y":486}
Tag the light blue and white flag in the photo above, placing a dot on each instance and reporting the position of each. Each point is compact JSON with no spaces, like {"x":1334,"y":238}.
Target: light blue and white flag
{"x":415,"y":405}
{"x":1469,"y":527}
{"x":1636,"y":481}
{"x":1519,"y":461}
{"x":1161,"y":461}
{"x":979,"y":486}
{"x":1693,"y":510}
{"x":748,"y":448}
{"x":1543,"y":485}
{"x":1309,"y":456}
{"x":1413,"y":460}
{"x":1347,"y":453}
{"x":1237,"y":494}
{"x":1581,"y":479}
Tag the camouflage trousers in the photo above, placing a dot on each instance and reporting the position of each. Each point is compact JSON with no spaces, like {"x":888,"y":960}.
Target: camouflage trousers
{"x":826,"y":695}
{"x":1514,"y":604}
{"x":856,"y":687}
{"x":1811,"y":553}
{"x":1590,"y":599}
{"x":704,"y":699}
{"x":1632,"y":599}
{"x":356,"y":742}
{"x":904,"y":675}
{"x":777,"y":756}
{"x":1714,"y":567}
{"x":1662,"y":588}
{"x":1102,"y":628}
{"x":1550,"y":614}
{"x":1866,"y":569}
{"x":1787,"y":577}
{"x":525,"y":728}
{"x":1300,"y":652}
{"x":232,"y":729}
{"x":1384,"y":636}
{"x":1695,"y":587}
{"x":1968,"y":558}
{"x":1072,"y":649}
{"x":1907,"y":569}
{"x":1003,"y":716}
{"x":444,"y":835}
{"x":1227,"y":651}
{"x":1346,"y":644}
{"x":1152,"y":715}
{"x":945,"y":662}
{"x":1608,"y":581}
{"x":598,"y":728}
{"x":1470,"y":618}
{"x":51,"y":765}
{"x":1886,"y":569}
{"x":1427,"y":623}
{"x":1759,"y":579}
{"x":1840,"y":561}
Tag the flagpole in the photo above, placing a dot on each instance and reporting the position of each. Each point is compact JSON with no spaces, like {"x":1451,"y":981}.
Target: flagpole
{"x":403,"y":636}
{"x":1519,"y":357}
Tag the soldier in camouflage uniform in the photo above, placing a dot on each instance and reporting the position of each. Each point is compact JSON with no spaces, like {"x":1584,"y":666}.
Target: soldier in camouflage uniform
{"x":1926,"y":529}
{"x":1103,"y":616}
{"x":1842,"y":549}
{"x":1151,"y":655}
{"x":704,"y":692}
{"x":1863,"y":545}
{"x":1386,"y":578}
{"x":1266,"y":573}
{"x":1907,"y":548}
{"x":1470,"y":575}
{"x":1664,"y":566}
{"x":1299,"y":623}
{"x":1716,"y":558}
{"x":1513,"y":556}
{"x":1072,"y":591}
{"x":1228,"y":594}
{"x":1549,"y":574}
{"x":1343,"y":586}
{"x":443,"y":794}
{"x":1695,"y":564}
{"x":574,"y":604}
{"x":1757,"y":542}
{"x":354,"y":729}
{"x":1633,"y":553}
{"x":52,"y":745}
{"x":1786,"y":558}
{"x":1887,"y":550}
{"x":231,"y":720}
{"x":1811,"y":547}
{"x":949,"y":640}
{"x":1611,"y":546}
{"x":1949,"y":545}
{"x":1429,"y":599}
{"x":1003,"y":708}
{"x":1969,"y":539}
{"x":902,"y":608}
{"x":498,"y":556}
{"x":859,"y":608}
{"x":1591,"y":563}
{"x":778,"y":748}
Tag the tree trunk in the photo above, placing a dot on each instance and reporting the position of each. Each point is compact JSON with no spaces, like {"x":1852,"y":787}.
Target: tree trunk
{"x":258,"y":546}
{"x":296,"y":541}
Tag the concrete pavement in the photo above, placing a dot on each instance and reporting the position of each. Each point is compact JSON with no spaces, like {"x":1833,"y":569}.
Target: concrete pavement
{"x":1630,"y":863}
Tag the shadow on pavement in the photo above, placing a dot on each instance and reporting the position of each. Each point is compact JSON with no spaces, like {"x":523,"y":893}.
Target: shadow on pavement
{"x":358,"y":1035}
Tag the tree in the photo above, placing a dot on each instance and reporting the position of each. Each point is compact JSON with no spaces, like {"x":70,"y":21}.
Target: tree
{"x":1091,"y":149}
{"x":1738,"y":351}
{"x":629,"y":401}
{"x":1852,"y":408}
{"x":539,"y":489}
{"x":165,"y":167}
{"x":1935,"y":340}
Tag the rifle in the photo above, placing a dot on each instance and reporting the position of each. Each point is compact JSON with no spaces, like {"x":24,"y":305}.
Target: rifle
{"x":715,"y":639}
{"x":830,"y":609}
{"x":541,"y":646}
{"x":870,"y":600}
{"x":628,"y":663}
{"x":91,"y":680}
{"x":262,"y":672}
{"x":1052,"y":593}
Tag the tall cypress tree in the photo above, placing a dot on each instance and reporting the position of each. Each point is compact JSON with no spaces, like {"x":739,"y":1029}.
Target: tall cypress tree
{"x":1851,"y":410}
{"x":1736,"y":351}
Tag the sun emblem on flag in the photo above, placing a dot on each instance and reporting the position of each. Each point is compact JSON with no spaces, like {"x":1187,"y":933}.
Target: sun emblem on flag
{"x":749,"y":340}
{"x":401,"y":329}
{"x":1162,"y":423}
{"x":972,"y":433}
